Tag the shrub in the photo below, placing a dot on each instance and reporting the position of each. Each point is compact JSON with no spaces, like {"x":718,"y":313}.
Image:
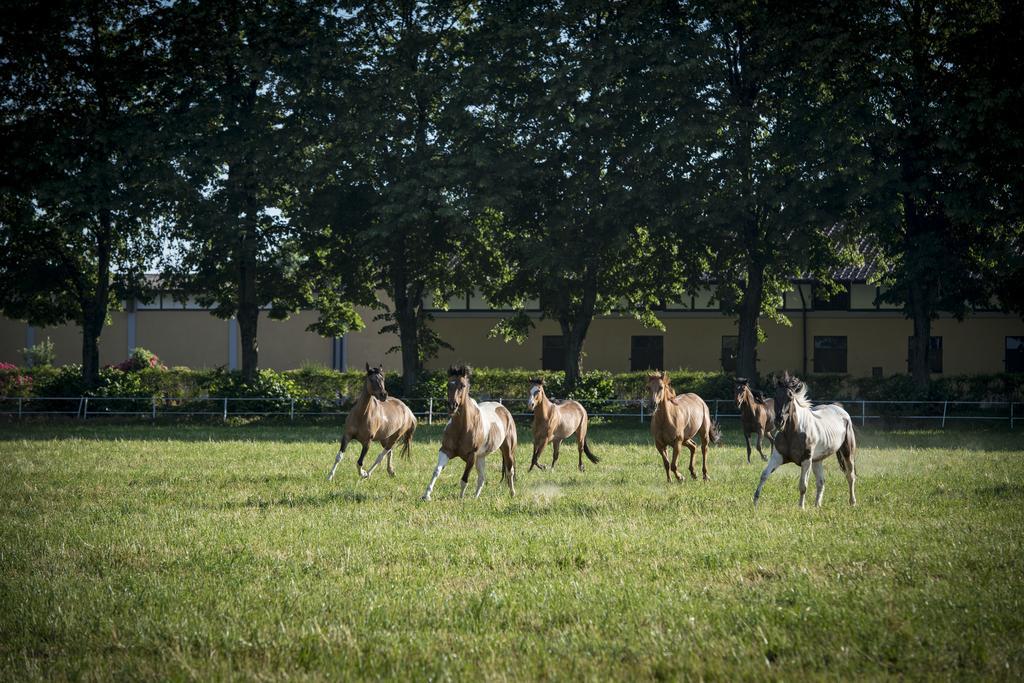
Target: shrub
{"x":43,"y":354}
{"x":13,"y":382}
{"x":141,"y":359}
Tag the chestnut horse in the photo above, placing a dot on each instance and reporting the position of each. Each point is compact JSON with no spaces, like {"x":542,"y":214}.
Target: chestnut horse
{"x":807,"y":436}
{"x":676,"y":420}
{"x":474,"y":431}
{"x":376,"y":417}
{"x":756,"y":414}
{"x":555,"y":422}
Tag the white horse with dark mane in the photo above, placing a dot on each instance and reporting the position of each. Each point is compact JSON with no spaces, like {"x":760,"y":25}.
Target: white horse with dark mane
{"x":807,"y":435}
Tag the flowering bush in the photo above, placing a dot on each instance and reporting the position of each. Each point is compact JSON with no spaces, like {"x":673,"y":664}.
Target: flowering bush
{"x":13,"y":382}
{"x":140,"y":360}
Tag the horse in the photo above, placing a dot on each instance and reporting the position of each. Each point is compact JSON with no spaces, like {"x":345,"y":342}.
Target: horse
{"x":676,"y":420}
{"x":756,"y":414}
{"x":808,"y":435}
{"x":474,"y":431}
{"x":376,"y":417}
{"x":555,"y":422}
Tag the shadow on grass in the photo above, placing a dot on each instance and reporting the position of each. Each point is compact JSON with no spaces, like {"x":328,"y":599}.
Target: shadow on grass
{"x":256,"y":502}
{"x":960,"y":436}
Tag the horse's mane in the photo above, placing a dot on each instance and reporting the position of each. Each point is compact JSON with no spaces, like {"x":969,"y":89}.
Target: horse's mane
{"x":759,"y":397}
{"x":460,"y":371}
{"x":537,"y":380}
{"x":799,"y":389}
{"x":670,"y":391}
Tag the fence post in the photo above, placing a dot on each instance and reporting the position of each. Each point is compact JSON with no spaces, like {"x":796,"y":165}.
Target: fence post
{"x":1011,"y":414}
{"x":293,"y":410}
{"x":225,"y":410}
{"x":944,"y":405}
{"x":154,"y":408}
{"x":85,"y":408}
{"x":19,"y":412}
{"x":863,"y":413}
{"x":430,"y":410}
{"x":716,"y":410}
{"x":641,"y":412}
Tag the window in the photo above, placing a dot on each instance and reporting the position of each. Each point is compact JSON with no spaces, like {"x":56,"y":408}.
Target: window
{"x":830,"y":354}
{"x":934,"y":354}
{"x":840,"y":301}
{"x":1014,"y":357}
{"x":552,"y":352}
{"x":646,"y":353}
{"x":730,"y":345}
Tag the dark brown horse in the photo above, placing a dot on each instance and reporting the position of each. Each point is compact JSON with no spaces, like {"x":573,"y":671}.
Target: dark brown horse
{"x":756,"y":414}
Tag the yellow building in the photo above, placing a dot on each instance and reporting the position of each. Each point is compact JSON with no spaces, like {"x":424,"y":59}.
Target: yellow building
{"x":848,"y":334}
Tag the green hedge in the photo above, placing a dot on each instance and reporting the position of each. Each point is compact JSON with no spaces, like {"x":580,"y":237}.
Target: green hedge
{"x":311,"y":384}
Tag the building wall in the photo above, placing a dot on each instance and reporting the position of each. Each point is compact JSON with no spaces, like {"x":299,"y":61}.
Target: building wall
{"x":193,"y":338}
{"x":693,"y":339}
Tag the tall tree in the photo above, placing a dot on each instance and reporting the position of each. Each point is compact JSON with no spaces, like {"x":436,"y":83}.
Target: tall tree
{"x":239,"y":74}
{"x":391,"y":135}
{"x":77,"y":116}
{"x":777,"y":175}
{"x":942,"y":99}
{"x":568,"y":162}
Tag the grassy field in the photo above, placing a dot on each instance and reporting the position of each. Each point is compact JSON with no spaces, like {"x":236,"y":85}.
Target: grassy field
{"x":198,"y":552}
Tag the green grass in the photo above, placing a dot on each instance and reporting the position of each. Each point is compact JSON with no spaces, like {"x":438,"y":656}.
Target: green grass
{"x":182,"y":552}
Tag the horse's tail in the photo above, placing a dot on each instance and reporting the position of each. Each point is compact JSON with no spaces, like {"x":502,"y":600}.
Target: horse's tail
{"x":848,"y":448}
{"x":589,"y":453}
{"x":715,"y":432}
{"x":407,"y":441}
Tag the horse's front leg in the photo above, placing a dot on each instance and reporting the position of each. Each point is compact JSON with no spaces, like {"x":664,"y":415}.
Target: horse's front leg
{"x":470,"y":462}
{"x":663,"y":451}
{"x":555,"y":446}
{"x":773,"y":464}
{"x":760,"y":433}
{"x":539,"y":445}
{"x":442,"y":460}
{"x":481,"y":474}
{"x":362,"y":456}
{"x":746,"y":435}
{"x":819,"y":482}
{"x":385,"y":451}
{"x":805,"y":473}
{"x":339,"y":456}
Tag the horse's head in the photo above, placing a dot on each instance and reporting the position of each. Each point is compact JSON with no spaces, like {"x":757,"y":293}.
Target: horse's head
{"x":788,"y":390}
{"x":536,"y":393}
{"x":742,"y":389}
{"x":659,"y":386}
{"x":375,"y":382}
{"x":458,"y":386}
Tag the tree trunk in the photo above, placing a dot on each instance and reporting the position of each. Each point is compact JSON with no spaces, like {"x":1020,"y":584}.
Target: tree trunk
{"x":248,"y":314}
{"x":94,"y":309}
{"x":750,"y":312}
{"x":574,"y":331}
{"x":407,"y":300}
{"x":920,"y":314}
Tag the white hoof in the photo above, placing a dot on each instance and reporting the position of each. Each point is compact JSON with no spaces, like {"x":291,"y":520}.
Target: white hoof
{"x":363,"y":474}
{"x":426,"y":497}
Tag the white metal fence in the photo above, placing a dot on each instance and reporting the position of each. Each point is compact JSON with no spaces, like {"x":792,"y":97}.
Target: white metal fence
{"x":430,"y":410}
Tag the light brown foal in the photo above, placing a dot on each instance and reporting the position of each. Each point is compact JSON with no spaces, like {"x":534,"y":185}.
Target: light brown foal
{"x":555,"y":422}
{"x":756,"y":415}
{"x":376,"y":417}
{"x":676,"y":420}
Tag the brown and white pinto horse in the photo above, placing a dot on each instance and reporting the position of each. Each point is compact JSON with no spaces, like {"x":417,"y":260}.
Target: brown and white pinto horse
{"x":474,"y":431}
{"x":756,"y":414}
{"x":376,"y":417}
{"x":676,"y":420}
{"x":807,"y":436}
{"x":555,"y":422}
